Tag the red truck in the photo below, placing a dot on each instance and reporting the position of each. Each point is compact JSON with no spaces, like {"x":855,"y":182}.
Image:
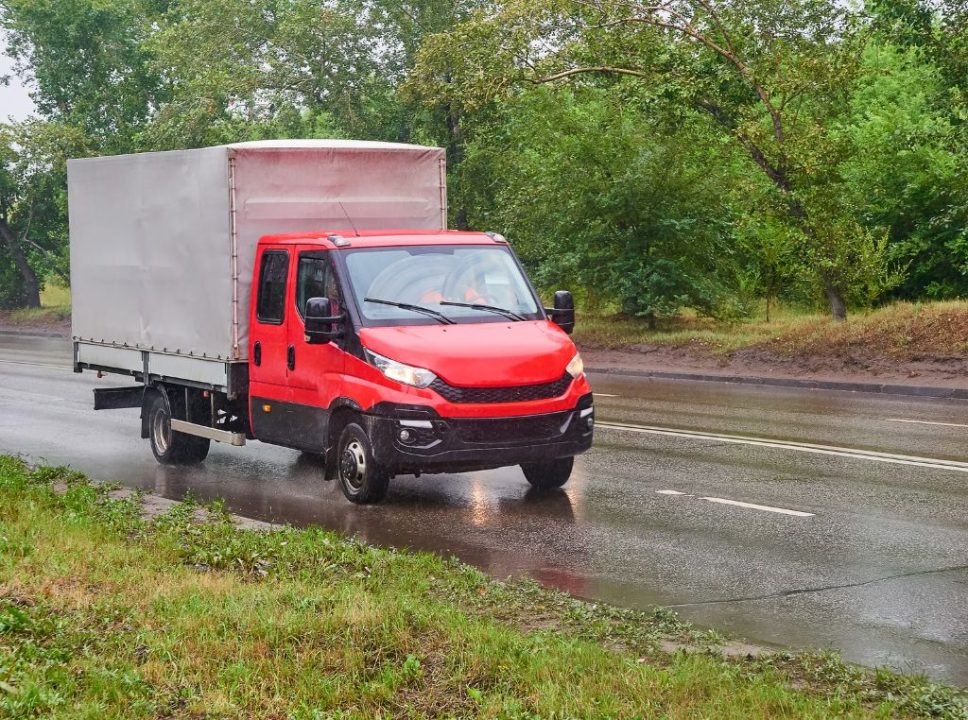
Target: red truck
{"x":386,"y":351}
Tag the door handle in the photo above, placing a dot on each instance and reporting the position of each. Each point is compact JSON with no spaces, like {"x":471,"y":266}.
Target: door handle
{"x":291,"y":357}
{"x":257,"y":354}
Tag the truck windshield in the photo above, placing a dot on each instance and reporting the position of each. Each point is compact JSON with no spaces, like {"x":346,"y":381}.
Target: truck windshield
{"x":464,"y":283}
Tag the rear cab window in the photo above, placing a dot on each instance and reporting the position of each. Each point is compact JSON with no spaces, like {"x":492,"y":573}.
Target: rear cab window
{"x":273,"y":273}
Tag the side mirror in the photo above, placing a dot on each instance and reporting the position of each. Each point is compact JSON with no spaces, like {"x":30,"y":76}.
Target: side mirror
{"x":563,"y":313}
{"x":321,"y":325}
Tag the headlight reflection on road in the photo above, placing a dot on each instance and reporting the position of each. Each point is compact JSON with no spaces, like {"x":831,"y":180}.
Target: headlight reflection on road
{"x":480,"y":508}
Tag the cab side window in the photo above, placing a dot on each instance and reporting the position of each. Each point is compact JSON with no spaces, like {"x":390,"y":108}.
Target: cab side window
{"x":271,"y":305}
{"x":315,"y":278}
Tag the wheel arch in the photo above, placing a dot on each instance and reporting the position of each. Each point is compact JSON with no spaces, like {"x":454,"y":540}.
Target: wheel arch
{"x":342,"y":411}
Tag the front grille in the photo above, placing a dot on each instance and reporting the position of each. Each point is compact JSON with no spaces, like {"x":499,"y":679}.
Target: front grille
{"x":513,"y":430}
{"x":517,"y":393}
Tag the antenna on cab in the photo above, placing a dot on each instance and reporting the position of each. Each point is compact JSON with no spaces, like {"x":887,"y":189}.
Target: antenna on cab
{"x":348,"y":218}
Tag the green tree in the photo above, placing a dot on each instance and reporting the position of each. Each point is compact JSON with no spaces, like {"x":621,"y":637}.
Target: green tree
{"x":87,"y":63}
{"x":236,"y":66}
{"x":33,"y":206}
{"x":596,"y":195}
{"x":903,"y":171}
{"x":774,"y":75}
{"x":92,"y":83}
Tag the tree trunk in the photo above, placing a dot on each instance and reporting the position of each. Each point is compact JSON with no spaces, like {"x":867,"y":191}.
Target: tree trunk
{"x":837,"y":308}
{"x":455,"y":156}
{"x":31,"y":296}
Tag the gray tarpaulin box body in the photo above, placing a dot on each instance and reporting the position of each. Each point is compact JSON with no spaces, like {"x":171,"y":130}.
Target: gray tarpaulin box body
{"x":163,"y":244}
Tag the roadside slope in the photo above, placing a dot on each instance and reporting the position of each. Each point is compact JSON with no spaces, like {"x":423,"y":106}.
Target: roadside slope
{"x":104,"y":612}
{"x":904,"y":343}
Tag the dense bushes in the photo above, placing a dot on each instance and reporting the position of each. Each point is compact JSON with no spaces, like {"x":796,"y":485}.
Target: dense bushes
{"x":649,"y":157}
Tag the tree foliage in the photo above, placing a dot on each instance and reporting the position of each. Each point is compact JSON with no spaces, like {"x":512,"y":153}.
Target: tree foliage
{"x":595,"y":193}
{"x":698,"y":153}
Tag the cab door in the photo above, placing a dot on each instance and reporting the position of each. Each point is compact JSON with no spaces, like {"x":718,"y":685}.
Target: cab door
{"x":269,"y":391}
{"x":315,"y":372}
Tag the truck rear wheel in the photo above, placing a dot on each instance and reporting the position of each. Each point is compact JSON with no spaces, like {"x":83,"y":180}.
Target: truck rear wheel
{"x":361,"y":477}
{"x":168,"y":446}
{"x":547,"y":475}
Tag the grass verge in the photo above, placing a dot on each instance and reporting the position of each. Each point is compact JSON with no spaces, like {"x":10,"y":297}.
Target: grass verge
{"x":41,"y":315}
{"x":106,"y":614}
{"x":54,"y":310}
{"x":899,"y":331}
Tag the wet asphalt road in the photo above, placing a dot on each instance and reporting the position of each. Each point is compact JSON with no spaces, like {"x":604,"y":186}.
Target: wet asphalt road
{"x":874,"y":565}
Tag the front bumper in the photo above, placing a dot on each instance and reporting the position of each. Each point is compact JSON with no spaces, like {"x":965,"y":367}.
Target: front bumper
{"x":409,"y":438}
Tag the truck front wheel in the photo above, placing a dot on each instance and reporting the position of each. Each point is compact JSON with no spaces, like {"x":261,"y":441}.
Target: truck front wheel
{"x":361,"y":477}
{"x":547,"y":475}
{"x":168,"y":446}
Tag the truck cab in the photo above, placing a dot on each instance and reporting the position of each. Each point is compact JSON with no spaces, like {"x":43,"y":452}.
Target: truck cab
{"x":412,"y":352}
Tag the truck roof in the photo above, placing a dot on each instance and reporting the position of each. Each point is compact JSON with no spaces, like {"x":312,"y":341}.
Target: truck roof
{"x":380,"y":238}
{"x":325,"y":145}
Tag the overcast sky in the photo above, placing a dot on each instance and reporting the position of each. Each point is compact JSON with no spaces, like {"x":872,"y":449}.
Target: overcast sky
{"x":15,"y":103}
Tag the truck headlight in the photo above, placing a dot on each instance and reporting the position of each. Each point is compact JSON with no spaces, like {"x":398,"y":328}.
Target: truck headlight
{"x":576,"y":367}
{"x":406,"y":374}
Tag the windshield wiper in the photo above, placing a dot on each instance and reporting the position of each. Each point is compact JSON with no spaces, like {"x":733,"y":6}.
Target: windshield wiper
{"x":489,"y":308}
{"x":429,"y":312}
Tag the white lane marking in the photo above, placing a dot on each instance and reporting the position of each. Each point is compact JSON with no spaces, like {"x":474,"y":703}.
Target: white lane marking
{"x":737,"y":503}
{"x":33,"y":364}
{"x":598,"y":394}
{"x":872,"y":455}
{"x":752,"y":506}
{"x":926,"y":422}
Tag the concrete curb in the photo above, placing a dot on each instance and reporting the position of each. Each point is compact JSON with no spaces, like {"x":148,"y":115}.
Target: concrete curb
{"x":865,"y":387}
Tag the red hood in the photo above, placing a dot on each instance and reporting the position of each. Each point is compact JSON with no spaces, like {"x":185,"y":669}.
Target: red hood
{"x":478,"y":354}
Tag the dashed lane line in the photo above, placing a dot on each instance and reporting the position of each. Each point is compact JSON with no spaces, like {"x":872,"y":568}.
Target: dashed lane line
{"x":874,"y":456}
{"x":753,"y":506}
{"x":737,"y":503}
{"x":927,"y":422}
{"x":34,"y":364}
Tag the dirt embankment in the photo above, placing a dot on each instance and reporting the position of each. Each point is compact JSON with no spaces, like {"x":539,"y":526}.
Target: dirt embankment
{"x":38,"y":322}
{"x":856,"y":366}
{"x":924,"y":345}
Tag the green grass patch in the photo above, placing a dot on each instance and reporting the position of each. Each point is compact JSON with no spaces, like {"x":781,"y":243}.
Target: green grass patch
{"x":55,"y":295}
{"x":104,"y":614}
{"x":55,"y":308}
{"x":41,"y":315}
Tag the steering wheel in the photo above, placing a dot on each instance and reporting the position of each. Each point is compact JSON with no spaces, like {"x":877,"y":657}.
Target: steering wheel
{"x":408,"y":280}
{"x":468,"y":274}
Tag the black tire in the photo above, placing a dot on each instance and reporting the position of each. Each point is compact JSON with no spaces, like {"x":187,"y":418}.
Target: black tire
{"x":170,"y":447}
{"x":361,"y":477}
{"x":547,"y":475}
